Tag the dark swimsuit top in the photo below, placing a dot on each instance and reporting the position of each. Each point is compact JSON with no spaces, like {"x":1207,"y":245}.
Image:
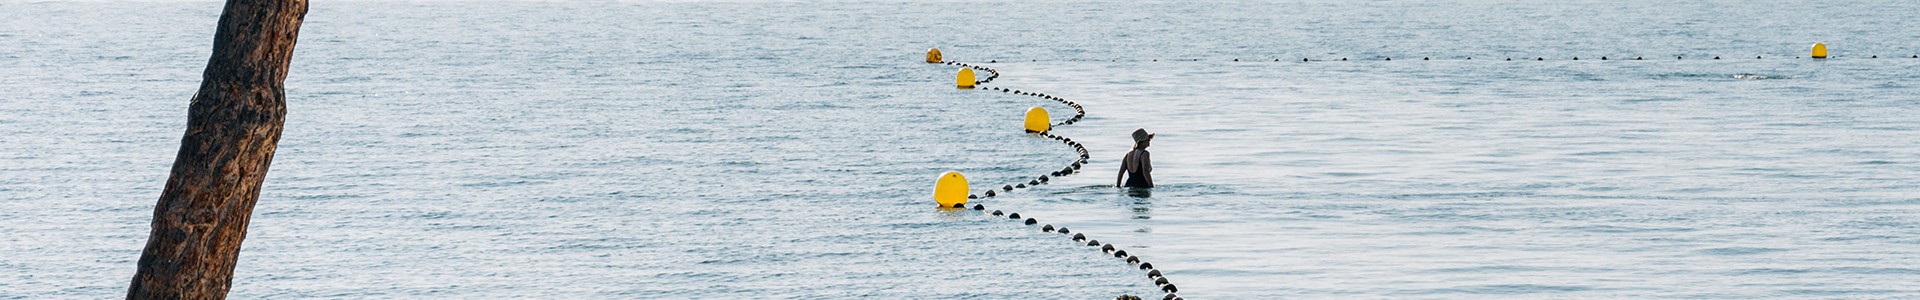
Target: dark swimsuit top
{"x":1138,"y":179}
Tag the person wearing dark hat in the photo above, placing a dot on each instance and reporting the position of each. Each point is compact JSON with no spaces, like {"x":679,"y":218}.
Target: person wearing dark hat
{"x":1137,"y":167}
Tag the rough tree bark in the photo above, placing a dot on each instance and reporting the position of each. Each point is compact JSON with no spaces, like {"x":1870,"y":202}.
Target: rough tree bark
{"x":233,"y":127}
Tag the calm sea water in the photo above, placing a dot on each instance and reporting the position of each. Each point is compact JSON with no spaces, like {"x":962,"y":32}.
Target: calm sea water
{"x":786,"y":150}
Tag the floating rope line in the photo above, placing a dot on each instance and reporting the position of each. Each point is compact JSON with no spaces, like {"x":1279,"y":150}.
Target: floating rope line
{"x":1073,"y":168}
{"x":1818,"y":52}
{"x":1493,"y":58}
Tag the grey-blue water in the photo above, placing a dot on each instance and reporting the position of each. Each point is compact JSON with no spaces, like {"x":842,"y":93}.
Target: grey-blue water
{"x":607,"y":149}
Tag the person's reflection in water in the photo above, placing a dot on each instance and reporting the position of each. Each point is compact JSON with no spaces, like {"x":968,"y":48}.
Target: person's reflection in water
{"x":1140,"y":192}
{"x":1137,"y":166}
{"x":1142,"y":206}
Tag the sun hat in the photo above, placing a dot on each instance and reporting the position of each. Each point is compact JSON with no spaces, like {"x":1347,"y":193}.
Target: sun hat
{"x":1141,"y":135}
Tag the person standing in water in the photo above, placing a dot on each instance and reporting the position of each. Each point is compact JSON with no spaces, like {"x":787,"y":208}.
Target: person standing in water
{"x":1137,"y":167}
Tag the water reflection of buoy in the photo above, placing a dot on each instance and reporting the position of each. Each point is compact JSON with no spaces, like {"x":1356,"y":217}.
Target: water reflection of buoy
{"x":1819,"y":50}
{"x":950,"y":189}
{"x":933,"y":55}
{"x":1037,"y":120}
{"x":964,"y":79}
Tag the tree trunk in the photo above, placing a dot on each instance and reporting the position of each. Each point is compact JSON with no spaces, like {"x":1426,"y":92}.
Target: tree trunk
{"x":233,"y":126}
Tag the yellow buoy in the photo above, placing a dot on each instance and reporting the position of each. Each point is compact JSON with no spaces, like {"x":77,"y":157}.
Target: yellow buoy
{"x":933,"y":55}
{"x":1037,"y":120}
{"x":950,"y":189}
{"x":965,"y":79}
{"x":1819,"y":50}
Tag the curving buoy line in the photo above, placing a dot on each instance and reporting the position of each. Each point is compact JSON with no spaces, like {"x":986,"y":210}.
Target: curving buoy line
{"x":950,"y":184}
{"x":1818,"y":52}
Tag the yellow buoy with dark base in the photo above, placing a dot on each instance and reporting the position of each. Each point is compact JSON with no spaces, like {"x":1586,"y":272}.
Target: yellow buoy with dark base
{"x":964,"y":79}
{"x":950,"y":189}
{"x":1819,"y":50}
{"x":933,"y":55}
{"x":1037,"y":120}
